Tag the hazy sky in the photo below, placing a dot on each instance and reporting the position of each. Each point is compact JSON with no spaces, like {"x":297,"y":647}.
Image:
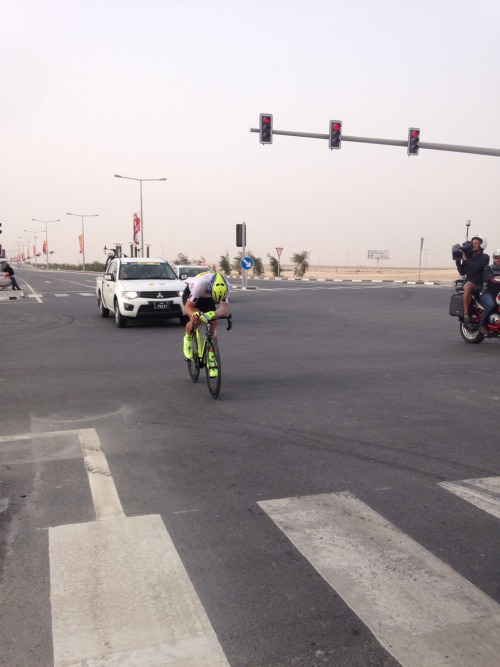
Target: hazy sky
{"x":170,"y":88}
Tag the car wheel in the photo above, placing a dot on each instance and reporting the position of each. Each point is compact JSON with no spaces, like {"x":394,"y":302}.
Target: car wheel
{"x":104,"y":312}
{"x":119,"y":319}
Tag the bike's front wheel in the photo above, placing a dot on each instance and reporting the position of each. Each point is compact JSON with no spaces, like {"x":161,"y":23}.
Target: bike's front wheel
{"x":213,"y":368}
{"x":194,"y":363}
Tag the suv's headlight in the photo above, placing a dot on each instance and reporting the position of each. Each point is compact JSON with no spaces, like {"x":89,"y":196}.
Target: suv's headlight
{"x":129,"y":295}
{"x":181,"y":292}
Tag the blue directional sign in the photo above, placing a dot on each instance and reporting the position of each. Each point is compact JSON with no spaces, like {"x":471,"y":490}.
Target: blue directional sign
{"x":247,"y":263}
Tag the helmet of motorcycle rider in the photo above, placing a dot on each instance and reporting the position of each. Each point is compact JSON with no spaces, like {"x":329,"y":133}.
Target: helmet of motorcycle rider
{"x":482,"y":241}
{"x":496,"y":254}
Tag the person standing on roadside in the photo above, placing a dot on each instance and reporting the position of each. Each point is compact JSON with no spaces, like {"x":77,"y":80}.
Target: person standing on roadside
{"x":8,"y":269}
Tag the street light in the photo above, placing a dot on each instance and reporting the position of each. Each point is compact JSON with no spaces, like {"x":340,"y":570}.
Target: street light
{"x":21,"y":245}
{"x":40,"y":231}
{"x":141,"y":180}
{"x":46,"y":236}
{"x":88,"y":215}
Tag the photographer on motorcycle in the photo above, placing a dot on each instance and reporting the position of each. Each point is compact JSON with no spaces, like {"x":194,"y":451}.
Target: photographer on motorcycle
{"x":471,"y":266}
{"x":491,"y":288}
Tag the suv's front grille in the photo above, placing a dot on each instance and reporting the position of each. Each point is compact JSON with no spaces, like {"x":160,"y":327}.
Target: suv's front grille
{"x":158,"y":294}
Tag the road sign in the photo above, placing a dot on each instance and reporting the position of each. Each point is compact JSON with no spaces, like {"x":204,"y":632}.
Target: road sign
{"x":378,"y":254}
{"x":279,"y":251}
{"x":180,"y":256}
{"x":247,"y":263}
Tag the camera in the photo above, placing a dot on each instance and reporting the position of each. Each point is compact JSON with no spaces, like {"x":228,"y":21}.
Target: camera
{"x":459,"y":248}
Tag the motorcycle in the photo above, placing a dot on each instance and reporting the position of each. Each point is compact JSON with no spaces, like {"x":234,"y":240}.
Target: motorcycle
{"x":472,"y":334}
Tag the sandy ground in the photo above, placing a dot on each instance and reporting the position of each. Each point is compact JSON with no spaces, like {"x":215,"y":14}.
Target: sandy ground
{"x":365,"y":273}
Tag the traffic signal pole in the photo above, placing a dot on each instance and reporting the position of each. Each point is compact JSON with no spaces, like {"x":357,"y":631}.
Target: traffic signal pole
{"x":495,"y":152}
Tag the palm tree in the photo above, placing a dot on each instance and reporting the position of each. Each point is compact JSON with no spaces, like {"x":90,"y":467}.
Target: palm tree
{"x":301,"y":261}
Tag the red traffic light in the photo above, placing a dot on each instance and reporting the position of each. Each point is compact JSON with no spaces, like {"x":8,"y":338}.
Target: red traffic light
{"x":413,"y":140}
{"x":266,"y":128}
{"x":336,"y":127}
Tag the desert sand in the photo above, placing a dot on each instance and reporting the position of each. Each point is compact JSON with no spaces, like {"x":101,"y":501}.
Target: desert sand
{"x":368,"y":273}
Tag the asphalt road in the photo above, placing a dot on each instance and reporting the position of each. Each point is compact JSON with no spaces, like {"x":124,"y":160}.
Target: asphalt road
{"x":327,"y":389}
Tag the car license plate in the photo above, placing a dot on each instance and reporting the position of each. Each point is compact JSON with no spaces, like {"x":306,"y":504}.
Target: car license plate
{"x":161,"y":305}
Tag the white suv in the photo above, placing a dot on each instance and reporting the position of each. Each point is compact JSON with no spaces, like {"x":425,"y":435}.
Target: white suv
{"x":185,"y":271}
{"x":139,"y":287}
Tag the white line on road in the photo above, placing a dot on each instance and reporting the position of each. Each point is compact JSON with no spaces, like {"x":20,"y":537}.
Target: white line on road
{"x":483,"y":493}
{"x":107,"y":504}
{"x":61,"y":294}
{"x":120,"y":594}
{"x":420,"y":609}
{"x":32,"y":292}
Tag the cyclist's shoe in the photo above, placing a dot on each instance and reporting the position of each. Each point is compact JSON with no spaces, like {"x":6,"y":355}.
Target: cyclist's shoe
{"x":484,"y":330}
{"x":213,"y":371}
{"x":188,"y":348}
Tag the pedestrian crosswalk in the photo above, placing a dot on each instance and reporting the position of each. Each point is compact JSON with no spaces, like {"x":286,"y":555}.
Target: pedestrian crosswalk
{"x":421,"y":610}
{"x":120,"y":593}
{"x":484,"y":493}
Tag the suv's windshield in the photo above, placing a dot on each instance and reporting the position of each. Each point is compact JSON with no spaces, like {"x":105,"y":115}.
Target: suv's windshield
{"x":147,"y":271}
{"x":191,"y":271}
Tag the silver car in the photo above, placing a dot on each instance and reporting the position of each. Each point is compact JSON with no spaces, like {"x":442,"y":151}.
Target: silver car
{"x":4,"y":276}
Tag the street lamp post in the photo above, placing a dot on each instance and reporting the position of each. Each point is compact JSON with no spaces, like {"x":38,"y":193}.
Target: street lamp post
{"x":88,"y":215}
{"x":141,"y":180}
{"x":27,"y":239}
{"x":46,"y":236}
{"x":40,"y":231}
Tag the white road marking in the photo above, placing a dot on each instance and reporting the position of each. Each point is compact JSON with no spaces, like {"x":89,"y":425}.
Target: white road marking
{"x":483,"y":493}
{"x":33,"y":292}
{"x":107,"y":504}
{"x":86,"y":294}
{"x":419,"y":609}
{"x":120,"y":594}
{"x":61,"y":294}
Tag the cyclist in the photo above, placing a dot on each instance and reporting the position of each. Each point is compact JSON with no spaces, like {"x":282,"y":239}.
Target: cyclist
{"x":200,"y":297}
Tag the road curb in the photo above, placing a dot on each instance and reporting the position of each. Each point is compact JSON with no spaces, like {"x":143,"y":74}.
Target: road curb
{"x":348,"y":280}
{"x":12,"y":297}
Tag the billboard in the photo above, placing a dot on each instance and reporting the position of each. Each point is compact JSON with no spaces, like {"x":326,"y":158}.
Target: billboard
{"x":378,"y":254}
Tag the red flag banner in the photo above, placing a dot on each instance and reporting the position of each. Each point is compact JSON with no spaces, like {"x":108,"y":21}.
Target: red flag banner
{"x":80,"y":240}
{"x":137,"y":228}
{"x":44,"y":247}
{"x":34,"y":250}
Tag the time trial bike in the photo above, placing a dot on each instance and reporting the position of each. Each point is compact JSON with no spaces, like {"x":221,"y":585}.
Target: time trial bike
{"x":206,"y":354}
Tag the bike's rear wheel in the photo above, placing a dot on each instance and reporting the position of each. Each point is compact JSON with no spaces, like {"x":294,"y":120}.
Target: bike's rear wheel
{"x":194,"y":363}
{"x":474,"y":336}
{"x":214,"y":382}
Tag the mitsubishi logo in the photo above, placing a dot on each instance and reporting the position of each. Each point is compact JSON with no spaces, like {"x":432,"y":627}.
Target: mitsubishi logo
{"x":159,"y":295}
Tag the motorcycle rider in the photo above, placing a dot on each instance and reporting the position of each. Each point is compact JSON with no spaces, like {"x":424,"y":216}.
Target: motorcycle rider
{"x":491,"y":288}
{"x":472,"y":266}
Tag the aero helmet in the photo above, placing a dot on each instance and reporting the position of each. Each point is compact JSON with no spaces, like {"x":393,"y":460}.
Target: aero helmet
{"x":482,"y":240}
{"x":218,"y":287}
{"x":496,"y":253}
